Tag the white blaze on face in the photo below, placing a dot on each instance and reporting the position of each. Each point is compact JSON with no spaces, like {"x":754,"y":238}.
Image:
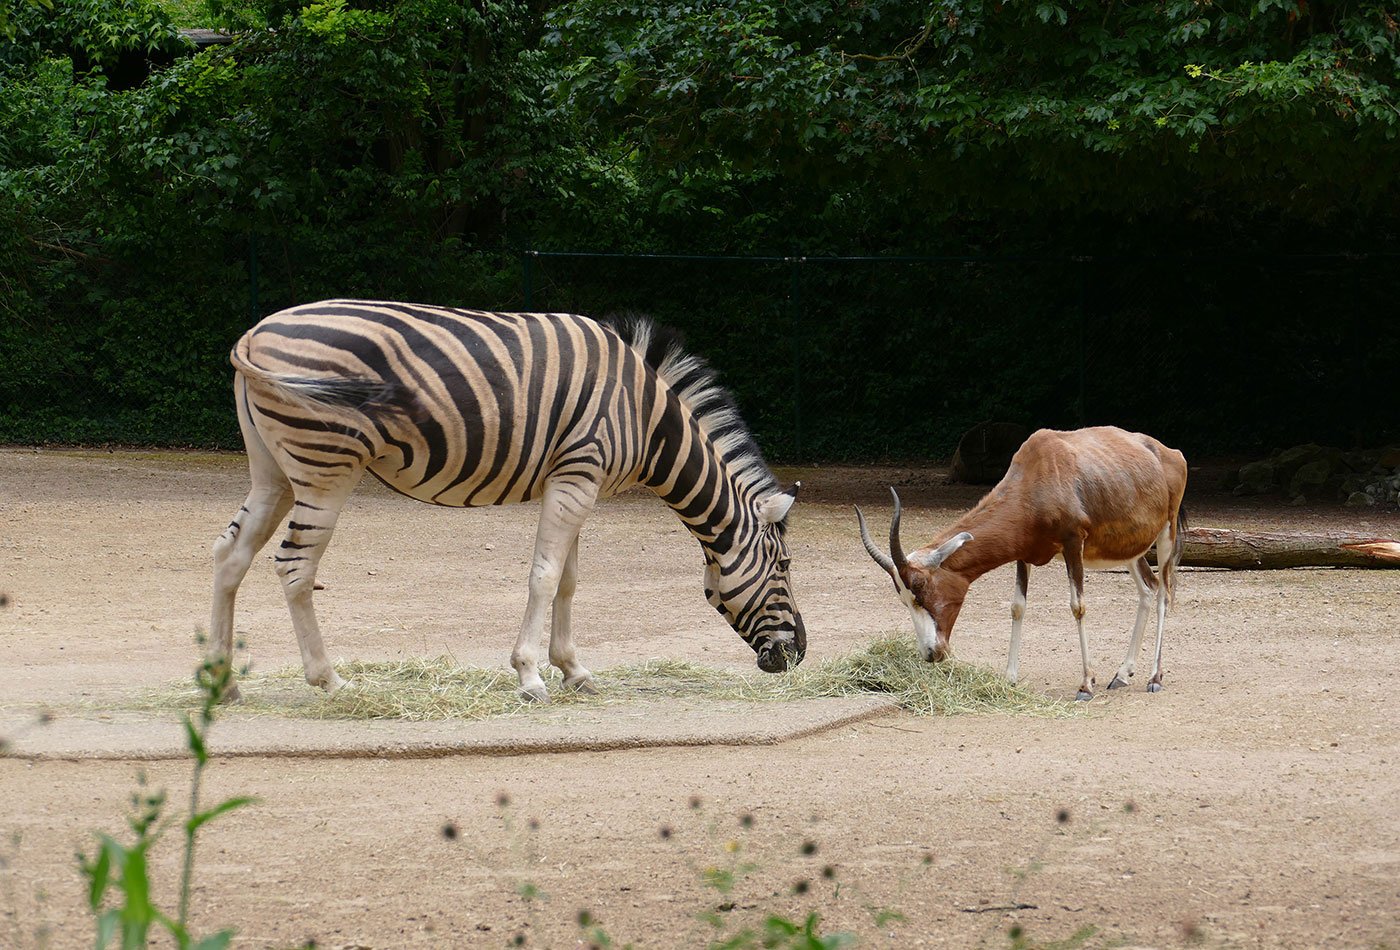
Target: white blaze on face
{"x":925,"y":627}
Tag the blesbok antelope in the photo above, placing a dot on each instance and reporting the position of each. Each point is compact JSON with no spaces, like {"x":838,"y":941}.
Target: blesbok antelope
{"x":1100,"y":497}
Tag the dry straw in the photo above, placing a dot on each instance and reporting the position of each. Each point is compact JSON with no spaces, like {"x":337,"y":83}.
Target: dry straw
{"x":422,"y":689}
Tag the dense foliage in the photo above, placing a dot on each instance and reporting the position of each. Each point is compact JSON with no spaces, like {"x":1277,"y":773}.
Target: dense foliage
{"x":155,"y":199}
{"x":1004,"y":107}
{"x":365,"y":151}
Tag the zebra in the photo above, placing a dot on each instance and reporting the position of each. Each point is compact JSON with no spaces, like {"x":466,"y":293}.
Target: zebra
{"x":463,"y":408}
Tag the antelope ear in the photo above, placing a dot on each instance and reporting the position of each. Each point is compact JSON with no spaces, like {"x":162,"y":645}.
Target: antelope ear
{"x":775,"y":507}
{"x":935,"y":558}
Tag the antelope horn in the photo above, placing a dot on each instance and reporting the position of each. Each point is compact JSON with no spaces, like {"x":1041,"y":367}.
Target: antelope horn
{"x":880,"y":558}
{"x":896,"y":549}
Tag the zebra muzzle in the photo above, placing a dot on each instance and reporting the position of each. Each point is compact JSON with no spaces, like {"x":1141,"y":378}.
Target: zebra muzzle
{"x":777,"y":657}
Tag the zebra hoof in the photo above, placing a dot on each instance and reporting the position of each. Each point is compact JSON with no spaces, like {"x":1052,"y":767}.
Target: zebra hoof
{"x":1083,"y":696}
{"x":1117,"y":683}
{"x":1154,"y":687}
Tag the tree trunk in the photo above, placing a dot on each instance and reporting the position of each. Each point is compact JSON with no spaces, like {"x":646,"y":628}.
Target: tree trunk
{"x":1271,"y":550}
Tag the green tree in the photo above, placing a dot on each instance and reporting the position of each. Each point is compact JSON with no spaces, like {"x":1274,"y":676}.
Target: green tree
{"x":1075,"y":106}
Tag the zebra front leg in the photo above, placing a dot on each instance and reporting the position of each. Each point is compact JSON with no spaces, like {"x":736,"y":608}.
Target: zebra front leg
{"x":562,"y":512}
{"x":296,"y":562}
{"x":561,"y":636}
{"x":234,"y":551}
{"x":1146,"y":584}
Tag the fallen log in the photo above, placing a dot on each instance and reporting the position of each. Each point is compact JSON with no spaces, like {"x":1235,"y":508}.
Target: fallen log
{"x":1275,"y":550}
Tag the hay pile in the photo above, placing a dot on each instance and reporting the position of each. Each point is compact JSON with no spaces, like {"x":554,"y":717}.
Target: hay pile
{"x":422,"y":689}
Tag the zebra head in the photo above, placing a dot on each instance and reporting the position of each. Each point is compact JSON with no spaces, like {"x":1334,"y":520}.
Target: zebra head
{"x":750,"y":585}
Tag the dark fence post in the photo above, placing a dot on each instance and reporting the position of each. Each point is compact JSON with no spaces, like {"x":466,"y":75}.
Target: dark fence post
{"x":795,"y":264}
{"x":529,"y":269}
{"x":253,"y":274}
{"x":1081,"y":264}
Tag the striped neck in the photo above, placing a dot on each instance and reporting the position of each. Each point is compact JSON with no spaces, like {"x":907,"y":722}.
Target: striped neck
{"x":710,"y":493}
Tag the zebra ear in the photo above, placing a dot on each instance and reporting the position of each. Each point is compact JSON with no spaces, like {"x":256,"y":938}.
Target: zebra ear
{"x":775,"y":507}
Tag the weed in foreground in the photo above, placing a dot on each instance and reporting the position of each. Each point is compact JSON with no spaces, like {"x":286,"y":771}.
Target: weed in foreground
{"x":120,"y":871}
{"x":736,"y":908}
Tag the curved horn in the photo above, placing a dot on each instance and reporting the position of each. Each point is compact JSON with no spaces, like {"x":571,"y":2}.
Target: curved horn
{"x":896,"y":549}
{"x":879,"y":557}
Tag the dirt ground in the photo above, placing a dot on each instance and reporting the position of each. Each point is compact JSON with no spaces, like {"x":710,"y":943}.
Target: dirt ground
{"x":1253,"y":803}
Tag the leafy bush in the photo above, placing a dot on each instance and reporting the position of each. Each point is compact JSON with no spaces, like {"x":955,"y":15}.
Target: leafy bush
{"x":411,"y":148}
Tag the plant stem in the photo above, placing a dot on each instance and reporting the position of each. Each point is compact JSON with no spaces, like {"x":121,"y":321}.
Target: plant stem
{"x":188,"y":871}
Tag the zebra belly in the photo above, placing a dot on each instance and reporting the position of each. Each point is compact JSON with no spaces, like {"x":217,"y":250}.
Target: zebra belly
{"x":460,"y":486}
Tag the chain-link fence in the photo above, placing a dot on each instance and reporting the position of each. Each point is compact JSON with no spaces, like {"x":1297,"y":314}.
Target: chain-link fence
{"x":841,"y":358}
{"x":830,"y":358}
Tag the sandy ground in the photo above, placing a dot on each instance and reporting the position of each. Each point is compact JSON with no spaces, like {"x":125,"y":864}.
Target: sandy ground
{"x":1253,"y":803}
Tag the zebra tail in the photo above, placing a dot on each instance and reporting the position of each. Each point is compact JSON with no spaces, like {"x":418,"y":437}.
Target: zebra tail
{"x":363,"y":394}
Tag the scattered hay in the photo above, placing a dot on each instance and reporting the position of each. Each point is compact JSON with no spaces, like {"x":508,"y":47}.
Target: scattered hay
{"x":422,"y":689}
{"x":892,"y":666}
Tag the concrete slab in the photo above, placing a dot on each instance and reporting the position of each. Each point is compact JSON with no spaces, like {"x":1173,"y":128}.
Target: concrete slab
{"x":117,"y":734}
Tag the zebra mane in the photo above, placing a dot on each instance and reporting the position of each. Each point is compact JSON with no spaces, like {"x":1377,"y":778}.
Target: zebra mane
{"x":696,"y":382}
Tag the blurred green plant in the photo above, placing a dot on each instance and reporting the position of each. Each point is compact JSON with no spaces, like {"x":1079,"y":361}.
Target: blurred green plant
{"x":121,"y":870}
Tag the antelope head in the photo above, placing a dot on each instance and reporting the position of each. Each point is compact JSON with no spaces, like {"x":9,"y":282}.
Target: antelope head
{"x":933,"y":595}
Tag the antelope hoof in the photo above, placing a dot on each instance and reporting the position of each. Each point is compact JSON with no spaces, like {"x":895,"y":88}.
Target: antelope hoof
{"x":1083,"y":696}
{"x":231,"y":694}
{"x":1154,"y":687}
{"x":583,"y":683}
{"x":332,"y":683}
{"x":535,"y":694}
{"x":1117,"y":683}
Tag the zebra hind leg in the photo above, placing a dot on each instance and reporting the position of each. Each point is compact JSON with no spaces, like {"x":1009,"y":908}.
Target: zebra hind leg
{"x":234,"y":550}
{"x":562,"y":652}
{"x":269,"y":499}
{"x":296,"y":561}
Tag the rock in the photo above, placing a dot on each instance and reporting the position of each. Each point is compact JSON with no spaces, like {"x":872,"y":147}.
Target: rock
{"x":1352,"y":483}
{"x":1359,"y":499}
{"x":985,"y":451}
{"x":1290,"y":459}
{"x":1310,"y":475}
{"x":1390,"y":457}
{"x":1256,"y":478}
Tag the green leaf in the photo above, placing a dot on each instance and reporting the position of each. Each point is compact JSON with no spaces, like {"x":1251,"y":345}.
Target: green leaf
{"x":99,"y":873}
{"x":107,"y":925}
{"x":218,"y":941}
{"x":195,"y":741}
{"x":194,"y":822}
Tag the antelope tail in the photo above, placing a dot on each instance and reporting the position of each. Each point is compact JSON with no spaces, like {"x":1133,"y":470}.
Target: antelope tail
{"x":1178,"y":545}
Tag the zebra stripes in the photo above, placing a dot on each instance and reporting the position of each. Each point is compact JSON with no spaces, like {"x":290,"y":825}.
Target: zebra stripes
{"x":464,"y":408}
